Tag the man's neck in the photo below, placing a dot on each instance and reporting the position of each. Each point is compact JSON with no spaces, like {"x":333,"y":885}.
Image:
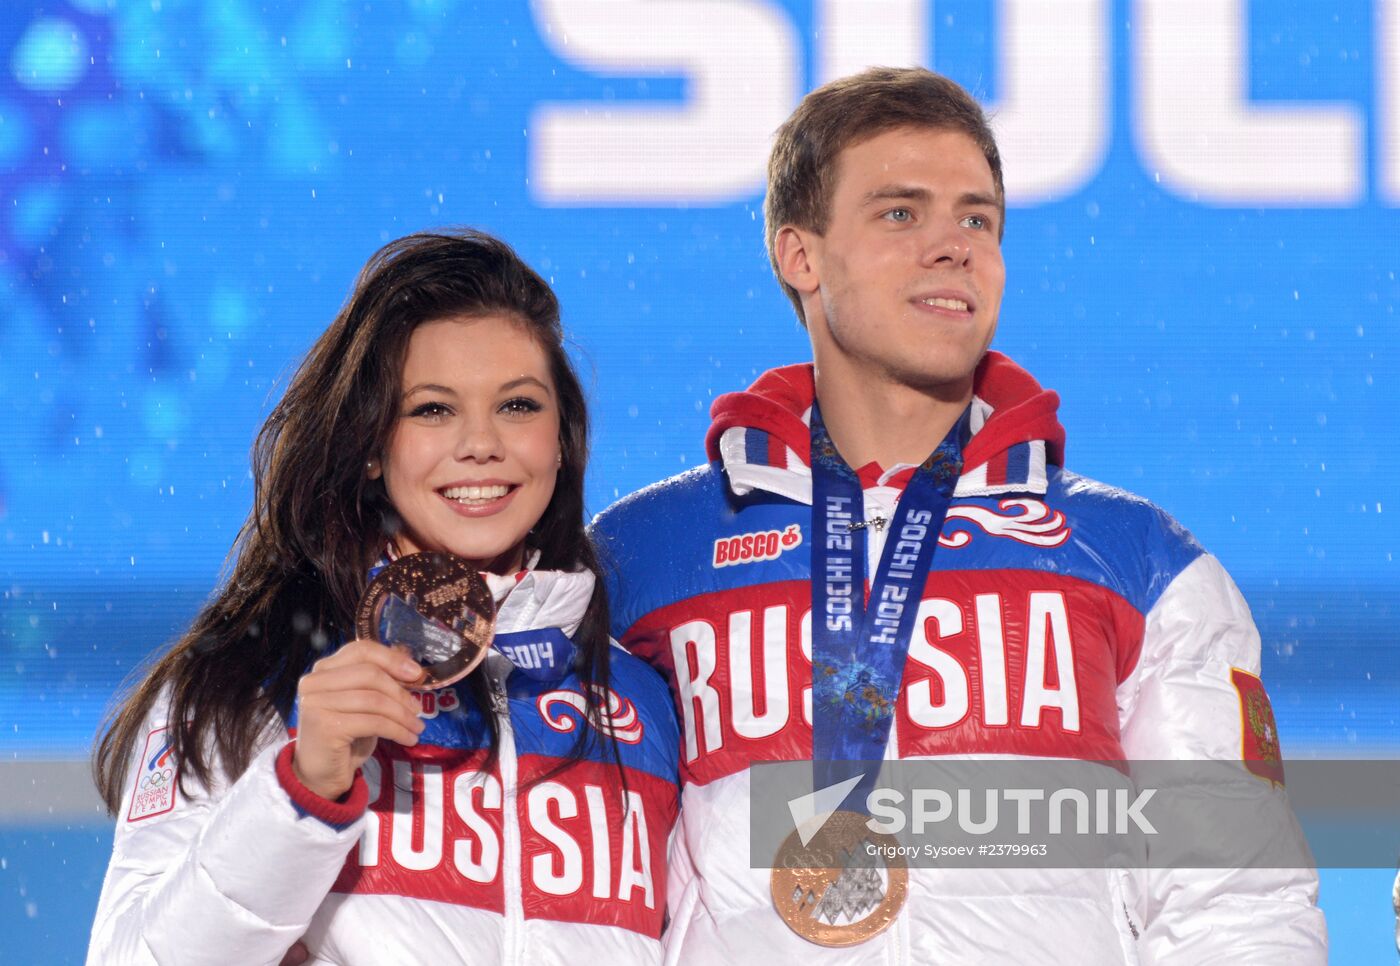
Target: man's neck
{"x":882,"y":421}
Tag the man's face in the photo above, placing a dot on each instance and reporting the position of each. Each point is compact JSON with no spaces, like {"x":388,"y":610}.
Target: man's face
{"x":909,"y":272}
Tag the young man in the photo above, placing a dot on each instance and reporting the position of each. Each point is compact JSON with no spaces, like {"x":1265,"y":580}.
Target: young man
{"x":1059,"y":618}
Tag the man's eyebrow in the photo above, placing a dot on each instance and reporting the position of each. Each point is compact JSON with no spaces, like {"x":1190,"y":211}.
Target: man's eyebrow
{"x":902,"y":192}
{"x":977,"y":198}
{"x":896,"y":192}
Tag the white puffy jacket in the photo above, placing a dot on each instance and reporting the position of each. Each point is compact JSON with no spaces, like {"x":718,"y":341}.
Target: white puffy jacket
{"x":1154,"y":653}
{"x":435,"y":858}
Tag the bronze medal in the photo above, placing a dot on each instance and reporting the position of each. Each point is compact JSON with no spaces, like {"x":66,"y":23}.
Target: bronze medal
{"x":437,"y":606}
{"x":833,"y":891}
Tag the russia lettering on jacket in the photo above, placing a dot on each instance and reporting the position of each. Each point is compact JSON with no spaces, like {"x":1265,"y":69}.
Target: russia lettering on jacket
{"x":988,"y":669}
{"x":434,"y":830}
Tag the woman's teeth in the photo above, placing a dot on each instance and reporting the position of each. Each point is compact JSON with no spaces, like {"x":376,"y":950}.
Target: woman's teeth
{"x":475,"y":494}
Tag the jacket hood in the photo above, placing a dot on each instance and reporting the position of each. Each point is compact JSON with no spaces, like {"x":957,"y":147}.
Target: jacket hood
{"x":761,"y":435}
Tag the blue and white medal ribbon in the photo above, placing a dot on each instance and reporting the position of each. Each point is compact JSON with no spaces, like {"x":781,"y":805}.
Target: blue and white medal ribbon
{"x":858,"y":648}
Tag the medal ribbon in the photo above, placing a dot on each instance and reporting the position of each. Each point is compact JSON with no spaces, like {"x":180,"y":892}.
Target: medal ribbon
{"x":859,"y":648}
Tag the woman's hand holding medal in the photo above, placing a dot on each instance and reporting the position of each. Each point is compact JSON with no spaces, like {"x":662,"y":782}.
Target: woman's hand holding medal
{"x":345,"y":705}
{"x":436,"y":613}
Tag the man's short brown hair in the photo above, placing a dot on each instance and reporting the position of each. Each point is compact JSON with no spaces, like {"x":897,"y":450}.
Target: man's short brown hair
{"x":835,"y":116}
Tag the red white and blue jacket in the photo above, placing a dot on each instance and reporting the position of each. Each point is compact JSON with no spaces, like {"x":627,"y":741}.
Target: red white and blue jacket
{"x":435,"y":857}
{"x":1061,"y":619}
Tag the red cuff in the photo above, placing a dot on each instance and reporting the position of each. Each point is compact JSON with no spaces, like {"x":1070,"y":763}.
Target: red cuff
{"x":339,"y":813}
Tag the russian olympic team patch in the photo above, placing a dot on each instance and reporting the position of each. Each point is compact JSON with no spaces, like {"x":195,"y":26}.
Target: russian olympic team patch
{"x":154,"y":789}
{"x":1259,"y":747}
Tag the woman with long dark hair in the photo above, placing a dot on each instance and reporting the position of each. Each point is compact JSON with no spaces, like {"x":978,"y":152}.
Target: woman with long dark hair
{"x":277,"y":780}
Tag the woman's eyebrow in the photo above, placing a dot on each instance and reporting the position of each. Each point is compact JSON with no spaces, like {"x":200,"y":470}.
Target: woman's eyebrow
{"x":430,"y":387}
{"x":523,"y":381}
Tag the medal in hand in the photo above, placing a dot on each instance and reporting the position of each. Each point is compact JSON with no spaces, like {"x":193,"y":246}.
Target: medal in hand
{"x":438,"y":607}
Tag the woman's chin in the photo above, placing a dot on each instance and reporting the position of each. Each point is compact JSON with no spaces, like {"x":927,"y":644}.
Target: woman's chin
{"x":494,"y":556}
{"x":492,"y":560}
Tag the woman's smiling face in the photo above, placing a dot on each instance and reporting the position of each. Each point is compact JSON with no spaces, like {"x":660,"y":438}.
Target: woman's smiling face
{"x":471,"y":463}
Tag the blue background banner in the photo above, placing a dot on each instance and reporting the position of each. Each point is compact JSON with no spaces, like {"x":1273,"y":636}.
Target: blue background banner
{"x":1202,"y":247}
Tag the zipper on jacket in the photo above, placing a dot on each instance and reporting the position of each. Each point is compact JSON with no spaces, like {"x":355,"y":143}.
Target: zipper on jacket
{"x":513,"y":928}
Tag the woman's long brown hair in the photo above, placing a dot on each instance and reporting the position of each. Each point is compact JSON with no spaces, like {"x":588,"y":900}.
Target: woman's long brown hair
{"x":318,"y":523}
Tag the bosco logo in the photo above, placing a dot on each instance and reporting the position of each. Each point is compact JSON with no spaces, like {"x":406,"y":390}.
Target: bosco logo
{"x":755,"y":547}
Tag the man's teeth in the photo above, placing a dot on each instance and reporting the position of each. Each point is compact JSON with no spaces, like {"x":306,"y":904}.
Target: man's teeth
{"x":475,"y":494}
{"x":957,"y":305}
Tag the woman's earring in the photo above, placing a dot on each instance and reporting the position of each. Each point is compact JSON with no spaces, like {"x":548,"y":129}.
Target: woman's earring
{"x":372,"y":468}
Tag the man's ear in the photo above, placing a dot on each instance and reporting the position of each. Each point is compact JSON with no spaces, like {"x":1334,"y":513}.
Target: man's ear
{"x":798,"y":258}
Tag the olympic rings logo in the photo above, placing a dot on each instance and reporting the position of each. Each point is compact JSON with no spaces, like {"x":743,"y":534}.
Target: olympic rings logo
{"x":157,"y":778}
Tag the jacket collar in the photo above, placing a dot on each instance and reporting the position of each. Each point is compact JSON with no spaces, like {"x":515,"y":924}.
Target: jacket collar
{"x":530,"y":599}
{"x":762,"y":435}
